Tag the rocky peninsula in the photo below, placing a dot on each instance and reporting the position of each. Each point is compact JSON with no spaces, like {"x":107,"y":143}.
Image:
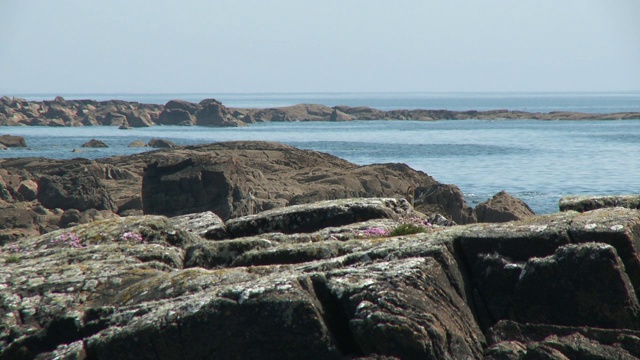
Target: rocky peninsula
{"x":209,"y":112}
{"x":261,"y":250}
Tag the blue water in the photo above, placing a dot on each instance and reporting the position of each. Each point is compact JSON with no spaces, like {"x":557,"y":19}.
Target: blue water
{"x":534,"y":160}
{"x":537,"y":161}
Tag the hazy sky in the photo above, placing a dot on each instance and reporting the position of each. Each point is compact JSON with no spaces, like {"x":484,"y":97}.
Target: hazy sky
{"x":142,"y":46}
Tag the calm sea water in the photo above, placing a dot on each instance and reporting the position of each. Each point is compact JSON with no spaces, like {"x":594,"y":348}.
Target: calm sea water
{"x":537,"y":161}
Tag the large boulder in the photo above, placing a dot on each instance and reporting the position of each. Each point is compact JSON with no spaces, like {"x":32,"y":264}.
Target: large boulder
{"x":74,"y":191}
{"x":178,"y":112}
{"x":12,"y":141}
{"x":213,"y":113}
{"x":240,"y":178}
{"x":444,"y":199}
{"x":94,"y":143}
{"x":502,"y":207}
{"x":161,"y":143}
{"x":140,"y":118}
{"x":590,"y":287}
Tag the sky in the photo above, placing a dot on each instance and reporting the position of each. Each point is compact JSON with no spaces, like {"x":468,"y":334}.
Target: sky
{"x":244,"y":46}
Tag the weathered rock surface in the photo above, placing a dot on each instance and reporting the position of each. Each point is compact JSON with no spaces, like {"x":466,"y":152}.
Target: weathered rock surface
{"x":161,"y":143}
{"x":61,"y":112}
{"x":587,"y":203}
{"x":138,"y":143}
{"x":74,"y":192}
{"x":316,"y":216}
{"x":13,"y":141}
{"x":93,"y":143}
{"x":234,"y":179}
{"x":502,"y":207}
{"x":230,"y":179}
{"x":444,"y":199}
{"x":148,"y":287}
{"x":209,"y":112}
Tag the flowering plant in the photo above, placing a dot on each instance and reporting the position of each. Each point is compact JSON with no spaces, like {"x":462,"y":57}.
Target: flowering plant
{"x":68,"y":238}
{"x":131,"y":236}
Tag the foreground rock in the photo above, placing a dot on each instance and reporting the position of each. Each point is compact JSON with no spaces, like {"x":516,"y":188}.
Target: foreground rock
{"x":147,"y":287}
{"x":587,"y":203}
{"x":313,"y":217}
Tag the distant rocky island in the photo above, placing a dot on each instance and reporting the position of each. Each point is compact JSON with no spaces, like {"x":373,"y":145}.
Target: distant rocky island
{"x":210,"y":112}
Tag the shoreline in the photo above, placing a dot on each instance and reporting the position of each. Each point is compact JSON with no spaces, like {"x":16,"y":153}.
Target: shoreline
{"x":210,"y":112}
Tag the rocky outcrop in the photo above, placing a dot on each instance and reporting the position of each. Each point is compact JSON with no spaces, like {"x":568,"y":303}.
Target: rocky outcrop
{"x":161,"y":143}
{"x":12,"y":141}
{"x":93,"y":143}
{"x":316,"y":216}
{"x":74,"y":192}
{"x":141,"y":286}
{"x":210,"y":112}
{"x":138,"y":143}
{"x":61,"y":112}
{"x":230,"y":179}
{"x":587,"y":203}
{"x":502,"y":207}
{"x":444,"y":199}
{"x":233,"y":179}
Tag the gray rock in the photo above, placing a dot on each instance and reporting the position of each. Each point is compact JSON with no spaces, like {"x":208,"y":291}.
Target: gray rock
{"x":93,"y":143}
{"x":313,"y":217}
{"x":205,"y":224}
{"x":502,"y":207}
{"x":161,"y":143}
{"x":589,"y":288}
{"x":28,"y":190}
{"x":138,"y":143}
{"x":444,"y":199}
{"x":12,"y":141}
{"x":588,"y":203}
{"x":512,"y":340}
{"x":74,"y":191}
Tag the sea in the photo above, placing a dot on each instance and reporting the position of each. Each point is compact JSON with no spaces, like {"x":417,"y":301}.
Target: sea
{"x":536,"y":161}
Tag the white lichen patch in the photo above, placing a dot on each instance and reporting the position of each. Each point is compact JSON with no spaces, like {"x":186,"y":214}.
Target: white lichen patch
{"x":250,"y":292}
{"x":590,"y":226}
{"x":617,"y":227}
{"x":538,"y":228}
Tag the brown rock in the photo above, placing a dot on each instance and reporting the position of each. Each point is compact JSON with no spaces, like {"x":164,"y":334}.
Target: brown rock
{"x":28,"y":189}
{"x":238,"y":178}
{"x":74,"y":191}
{"x":138,"y":143}
{"x":178,"y":112}
{"x":502,"y":207}
{"x":444,"y":199}
{"x":93,"y":143}
{"x":12,"y":141}
{"x":161,"y":143}
{"x":580,"y":285}
{"x":213,"y":113}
